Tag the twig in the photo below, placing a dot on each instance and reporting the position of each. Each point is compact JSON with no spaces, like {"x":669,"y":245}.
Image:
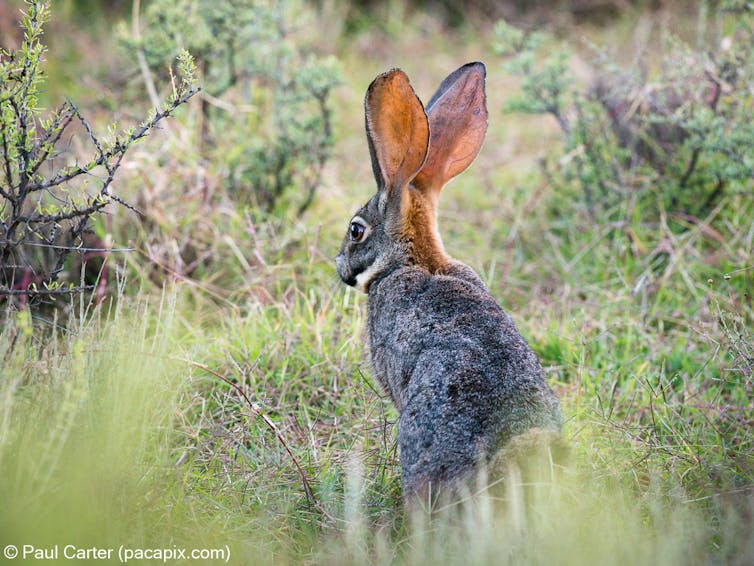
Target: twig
{"x":258,"y":412}
{"x":690,"y":167}
{"x":50,"y":138}
{"x":78,"y":248}
{"x":118,"y":148}
{"x":6,"y":163}
{"x":5,"y":292}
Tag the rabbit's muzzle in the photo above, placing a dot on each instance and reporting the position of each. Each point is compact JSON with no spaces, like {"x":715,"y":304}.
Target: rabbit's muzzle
{"x":344,"y":270}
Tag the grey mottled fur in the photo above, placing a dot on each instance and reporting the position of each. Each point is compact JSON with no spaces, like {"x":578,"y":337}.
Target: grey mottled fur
{"x":463,"y":379}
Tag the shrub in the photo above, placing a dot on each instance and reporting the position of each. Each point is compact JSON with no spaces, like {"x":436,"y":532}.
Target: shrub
{"x":265,"y":124}
{"x":639,"y":145}
{"x":50,"y":199}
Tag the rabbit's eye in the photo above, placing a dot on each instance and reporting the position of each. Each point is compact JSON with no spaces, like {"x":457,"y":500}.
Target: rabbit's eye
{"x":356,"y":231}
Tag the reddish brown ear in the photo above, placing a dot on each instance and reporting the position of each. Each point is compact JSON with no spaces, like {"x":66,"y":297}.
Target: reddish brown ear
{"x":457,"y":123}
{"x":397,"y":130}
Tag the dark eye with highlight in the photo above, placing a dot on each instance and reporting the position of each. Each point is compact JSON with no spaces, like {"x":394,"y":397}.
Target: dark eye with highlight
{"x":356,"y":231}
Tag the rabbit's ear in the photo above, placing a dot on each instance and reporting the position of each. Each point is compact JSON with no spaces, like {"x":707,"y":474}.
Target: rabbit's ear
{"x":457,"y":122}
{"x":397,"y":130}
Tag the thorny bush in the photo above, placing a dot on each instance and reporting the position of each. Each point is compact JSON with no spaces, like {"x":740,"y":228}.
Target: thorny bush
{"x":52,"y":198}
{"x":640,"y":144}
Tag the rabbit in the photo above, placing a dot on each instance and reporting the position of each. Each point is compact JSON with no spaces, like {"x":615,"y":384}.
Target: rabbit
{"x":461,"y":376}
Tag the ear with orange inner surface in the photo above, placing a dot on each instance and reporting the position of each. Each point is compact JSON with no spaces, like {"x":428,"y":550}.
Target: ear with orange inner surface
{"x":457,"y":123}
{"x":397,"y":132}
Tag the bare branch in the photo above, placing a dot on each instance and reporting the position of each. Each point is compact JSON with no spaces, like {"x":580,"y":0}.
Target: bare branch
{"x":5,"y":292}
{"x":6,"y":163}
{"x":119,"y":147}
{"x":50,"y":137}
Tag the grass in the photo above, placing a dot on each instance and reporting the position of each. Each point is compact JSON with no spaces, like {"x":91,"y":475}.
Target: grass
{"x":122,"y":422}
{"x":233,"y":407}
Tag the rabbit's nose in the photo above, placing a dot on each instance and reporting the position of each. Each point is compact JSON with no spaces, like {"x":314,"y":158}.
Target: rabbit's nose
{"x":340,"y":264}
{"x":345,"y":274}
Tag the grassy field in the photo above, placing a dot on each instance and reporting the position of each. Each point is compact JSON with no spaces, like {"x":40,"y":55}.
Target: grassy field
{"x":232,"y":407}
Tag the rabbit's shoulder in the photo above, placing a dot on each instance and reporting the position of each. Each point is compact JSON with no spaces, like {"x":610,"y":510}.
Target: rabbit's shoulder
{"x":411,"y":310}
{"x":413,"y":288}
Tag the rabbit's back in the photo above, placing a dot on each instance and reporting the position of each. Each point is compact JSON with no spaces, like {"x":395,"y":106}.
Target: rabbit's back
{"x":462,"y":377}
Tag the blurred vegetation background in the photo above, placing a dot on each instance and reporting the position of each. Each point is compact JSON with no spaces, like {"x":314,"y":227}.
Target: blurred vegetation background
{"x":210,"y":386}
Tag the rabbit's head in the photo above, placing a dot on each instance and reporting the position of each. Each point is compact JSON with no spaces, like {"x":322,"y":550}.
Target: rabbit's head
{"x":415,"y":152}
